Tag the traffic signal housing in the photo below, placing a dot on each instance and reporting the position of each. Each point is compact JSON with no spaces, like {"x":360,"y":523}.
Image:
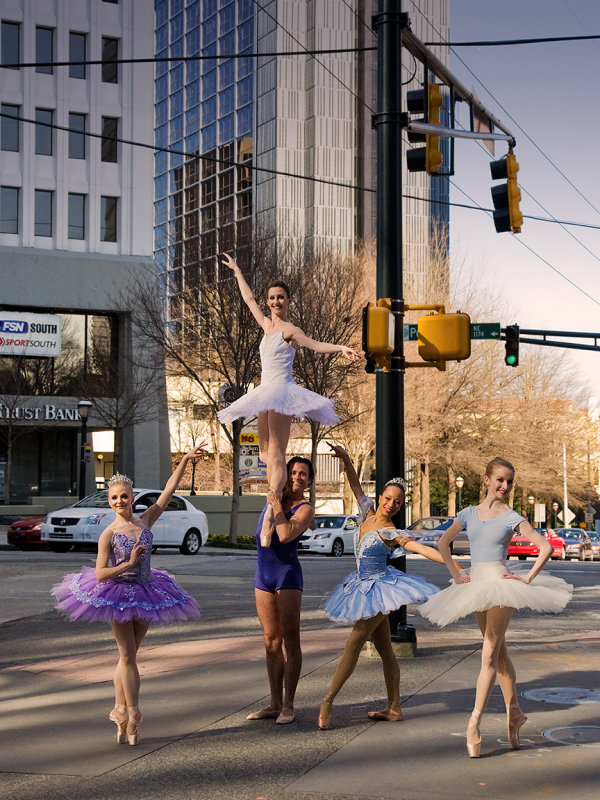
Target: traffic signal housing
{"x":427,"y":102}
{"x":444,"y":337}
{"x":379,"y":327}
{"x":511,"y":346}
{"x":506,"y":198}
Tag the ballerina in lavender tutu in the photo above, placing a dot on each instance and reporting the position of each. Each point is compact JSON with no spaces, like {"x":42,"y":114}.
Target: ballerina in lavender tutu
{"x":126,"y":592}
{"x":279,"y":398}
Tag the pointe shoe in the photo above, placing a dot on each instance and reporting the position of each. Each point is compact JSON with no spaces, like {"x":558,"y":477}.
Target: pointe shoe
{"x":514,"y":728}
{"x":324,"y":721}
{"x":133,"y":723}
{"x":474,"y":747}
{"x":119,"y":716}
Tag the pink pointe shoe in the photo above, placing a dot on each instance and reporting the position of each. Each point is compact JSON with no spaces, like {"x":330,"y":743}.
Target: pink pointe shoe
{"x":474,"y":741}
{"x":119,"y":716}
{"x":133,"y":723}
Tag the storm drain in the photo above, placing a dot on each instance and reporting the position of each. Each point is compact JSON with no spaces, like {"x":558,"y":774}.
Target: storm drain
{"x":583,"y":735}
{"x":563,"y":695}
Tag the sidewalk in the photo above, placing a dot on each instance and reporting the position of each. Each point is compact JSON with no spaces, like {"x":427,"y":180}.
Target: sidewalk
{"x":56,"y":742}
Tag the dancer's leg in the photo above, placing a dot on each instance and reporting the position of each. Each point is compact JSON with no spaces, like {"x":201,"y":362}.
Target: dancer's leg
{"x":263,"y":441}
{"x":278,"y":437}
{"x":128,"y":636}
{"x":268,"y":616}
{"x":382,"y":641}
{"x":288,"y":606}
{"x":139,"y":631}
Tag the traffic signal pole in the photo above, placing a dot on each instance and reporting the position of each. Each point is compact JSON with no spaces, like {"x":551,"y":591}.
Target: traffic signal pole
{"x":389,"y":23}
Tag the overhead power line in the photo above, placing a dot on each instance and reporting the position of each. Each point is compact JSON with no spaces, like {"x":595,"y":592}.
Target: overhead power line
{"x":505,"y":42}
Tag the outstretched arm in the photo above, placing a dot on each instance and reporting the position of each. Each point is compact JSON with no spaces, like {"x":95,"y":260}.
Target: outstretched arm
{"x":246,"y":292}
{"x":444,"y":547}
{"x":423,"y":550}
{"x":341,"y":453}
{"x":150,"y":516}
{"x":300,"y":338}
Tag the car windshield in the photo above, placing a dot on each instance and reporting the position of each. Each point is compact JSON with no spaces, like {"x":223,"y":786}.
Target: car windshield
{"x":594,"y":536}
{"x":329,"y":522}
{"x":575,"y":535}
{"x":430,"y":525}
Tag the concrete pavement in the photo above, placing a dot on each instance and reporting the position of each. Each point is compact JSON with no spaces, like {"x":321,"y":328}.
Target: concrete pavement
{"x":56,"y":741}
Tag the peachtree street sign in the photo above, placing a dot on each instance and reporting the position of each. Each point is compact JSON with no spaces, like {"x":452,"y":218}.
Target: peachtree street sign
{"x":29,"y":335}
{"x":479,"y":330}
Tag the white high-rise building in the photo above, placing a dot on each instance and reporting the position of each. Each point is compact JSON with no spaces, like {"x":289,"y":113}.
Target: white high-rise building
{"x":75,"y":226}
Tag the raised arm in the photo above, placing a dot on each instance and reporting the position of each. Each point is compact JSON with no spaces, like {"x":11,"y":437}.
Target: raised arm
{"x":351,"y":475}
{"x":246,"y":292}
{"x":299,"y":338}
{"x":150,"y":516}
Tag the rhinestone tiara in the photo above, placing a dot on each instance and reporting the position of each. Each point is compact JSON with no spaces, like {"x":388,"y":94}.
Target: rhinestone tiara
{"x":396,"y":482}
{"x":118,"y":478}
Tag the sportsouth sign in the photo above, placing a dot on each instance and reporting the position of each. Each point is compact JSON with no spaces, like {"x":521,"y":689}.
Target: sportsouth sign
{"x":37,"y":335}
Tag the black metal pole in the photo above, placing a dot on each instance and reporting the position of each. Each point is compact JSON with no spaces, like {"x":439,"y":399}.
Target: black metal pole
{"x":82,"y":458}
{"x":389,"y":23}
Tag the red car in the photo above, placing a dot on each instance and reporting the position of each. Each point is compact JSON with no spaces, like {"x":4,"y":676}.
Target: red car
{"x":26,"y":533}
{"x":521,"y":547}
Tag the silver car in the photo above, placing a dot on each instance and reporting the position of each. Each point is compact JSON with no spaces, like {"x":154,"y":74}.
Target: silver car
{"x":429,"y":530}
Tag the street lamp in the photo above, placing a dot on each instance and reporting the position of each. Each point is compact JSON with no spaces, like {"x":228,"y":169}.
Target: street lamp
{"x":555,"y":509}
{"x":531,"y":501}
{"x":460,"y":482}
{"x":83,"y":407}
{"x":192,"y":490}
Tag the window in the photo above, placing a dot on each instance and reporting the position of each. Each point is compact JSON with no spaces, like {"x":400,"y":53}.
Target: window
{"x":43,"y":134}
{"x":226,"y":183}
{"x":10,"y":44}
{"x":76,"y":229}
{"x":44,"y":49}
{"x":9,"y":209}
{"x":209,"y":191}
{"x":77,"y":50}
{"x":76,"y":140}
{"x":42,"y":224}
{"x":9,"y":128}
{"x":108,"y":219}
{"x":110,"y":53}
{"x":110,"y":130}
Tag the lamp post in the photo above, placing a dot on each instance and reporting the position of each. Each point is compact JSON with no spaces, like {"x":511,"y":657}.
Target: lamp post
{"x":531,"y":501}
{"x":192,"y":490}
{"x":555,"y":510}
{"x":460,"y":482}
{"x":83,"y":407}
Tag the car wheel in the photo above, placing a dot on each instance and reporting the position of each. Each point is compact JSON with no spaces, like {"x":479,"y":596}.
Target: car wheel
{"x":61,"y":547}
{"x":521,"y":558}
{"x":337,"y":548}
{"x":563,"y":555}
{"x":192,"y":542}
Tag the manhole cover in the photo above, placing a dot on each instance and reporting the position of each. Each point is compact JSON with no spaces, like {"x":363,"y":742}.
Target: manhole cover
{"x":586,"y":735}
{"x":563,"y":695}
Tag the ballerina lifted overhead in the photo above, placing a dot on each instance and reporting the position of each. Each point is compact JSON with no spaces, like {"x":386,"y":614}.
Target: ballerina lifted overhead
{"x":279,"y":398}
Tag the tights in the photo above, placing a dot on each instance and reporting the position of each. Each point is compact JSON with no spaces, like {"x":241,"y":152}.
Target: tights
{"x":495,"y":661}
{"x":378,"y":628}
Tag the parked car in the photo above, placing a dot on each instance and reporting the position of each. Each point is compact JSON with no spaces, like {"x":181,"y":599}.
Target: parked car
{"x":333,"y":535}
{"x":595,"y":540}
{"x":521,"y":547}
{"x":26,"y":533}
{"x":181,"y":525}
{"x":429,"y":530}
{"x":578,"y":543}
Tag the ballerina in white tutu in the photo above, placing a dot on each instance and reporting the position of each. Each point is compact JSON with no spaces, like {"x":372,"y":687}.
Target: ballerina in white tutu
{"x":278,"y":398}
{"x":491,"y":591}
{"x":366,"y":596}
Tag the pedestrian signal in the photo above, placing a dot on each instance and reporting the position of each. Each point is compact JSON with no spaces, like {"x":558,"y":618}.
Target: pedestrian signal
{"x":506,"y":198}
{"x":511,"y":345}
{"x":427,"y":102}
{"x":444,"y":337}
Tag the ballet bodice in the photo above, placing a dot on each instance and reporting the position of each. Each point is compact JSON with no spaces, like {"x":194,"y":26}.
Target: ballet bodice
{"x":277,"y":358}
{"x":121,"y":546}
{"x":370,"y":551}
{"x":489,"y":538}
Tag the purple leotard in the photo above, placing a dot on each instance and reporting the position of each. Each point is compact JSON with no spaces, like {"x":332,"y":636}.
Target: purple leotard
{"x":278,"y":565}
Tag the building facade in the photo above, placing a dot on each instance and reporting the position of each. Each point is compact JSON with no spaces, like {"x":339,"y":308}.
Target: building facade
{"x":75,"y":231}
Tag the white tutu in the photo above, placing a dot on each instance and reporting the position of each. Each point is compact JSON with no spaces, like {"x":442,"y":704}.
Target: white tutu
{"x":487,"y":588}
{"x":284,"y":398}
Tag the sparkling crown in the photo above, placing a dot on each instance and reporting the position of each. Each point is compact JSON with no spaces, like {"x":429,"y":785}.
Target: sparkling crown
{"x":397,"y":482}
{"x":118,"y":478}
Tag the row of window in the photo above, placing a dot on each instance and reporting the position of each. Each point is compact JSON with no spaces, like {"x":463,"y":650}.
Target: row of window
{"x":44,"y":139}
{"x":10,"y":51}
{"x":43,"y":222}
{"x":245,"y":9}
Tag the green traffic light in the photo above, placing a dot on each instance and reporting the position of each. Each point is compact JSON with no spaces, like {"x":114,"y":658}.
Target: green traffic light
{"x":510,"y":361}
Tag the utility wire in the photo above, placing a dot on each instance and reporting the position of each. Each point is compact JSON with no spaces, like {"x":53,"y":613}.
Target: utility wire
{"x":507,"y":42}
{"x":159,"y":59}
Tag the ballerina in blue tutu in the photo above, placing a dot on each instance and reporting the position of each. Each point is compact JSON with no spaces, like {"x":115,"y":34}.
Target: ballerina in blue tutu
{"x":124,"y":591}
{"x":366,"y":596}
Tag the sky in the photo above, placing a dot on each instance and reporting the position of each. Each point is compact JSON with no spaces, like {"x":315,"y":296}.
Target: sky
{"x":551,"y":92}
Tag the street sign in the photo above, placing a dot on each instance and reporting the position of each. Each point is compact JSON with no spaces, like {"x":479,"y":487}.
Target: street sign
{"x":485,"y":330}
{"x":479,"y":330}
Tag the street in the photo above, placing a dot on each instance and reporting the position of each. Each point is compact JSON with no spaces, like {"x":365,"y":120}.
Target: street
{"x":201,"y":678}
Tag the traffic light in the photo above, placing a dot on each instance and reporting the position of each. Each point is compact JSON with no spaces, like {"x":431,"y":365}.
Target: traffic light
{"x":511,"y":346}
{"x":428,"y":158}
{"x":444,"y":337}
{"x":506,"y":198}
{"x":378,"y":333}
